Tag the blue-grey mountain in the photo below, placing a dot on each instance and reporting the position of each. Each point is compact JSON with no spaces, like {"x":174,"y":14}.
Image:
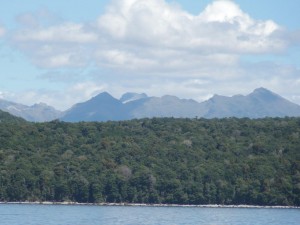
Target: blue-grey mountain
{"x":258,"y":104}
{"x":104,"y":107}
{"x":129,"y":97}
{"x":35,"y":113}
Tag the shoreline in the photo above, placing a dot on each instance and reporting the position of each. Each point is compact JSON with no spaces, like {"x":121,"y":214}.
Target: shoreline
{"x":151,"y":205}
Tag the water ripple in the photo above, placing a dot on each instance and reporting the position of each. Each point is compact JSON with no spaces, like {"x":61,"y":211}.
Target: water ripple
{"x":122,"y":215}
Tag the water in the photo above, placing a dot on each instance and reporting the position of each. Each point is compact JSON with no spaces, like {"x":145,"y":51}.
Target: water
{"x":131,"y":215}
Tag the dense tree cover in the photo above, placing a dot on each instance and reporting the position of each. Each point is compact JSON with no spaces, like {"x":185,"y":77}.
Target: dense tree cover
{"x":166,"y":160}
{"x":5,"y":117}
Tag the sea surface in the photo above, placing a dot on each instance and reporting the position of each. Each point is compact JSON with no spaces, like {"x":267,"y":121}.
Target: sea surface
{"x":15,"y":214}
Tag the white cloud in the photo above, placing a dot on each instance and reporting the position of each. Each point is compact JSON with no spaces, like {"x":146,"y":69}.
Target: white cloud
{"x":64,"y":33}
{"x":2,"y":95}
{"x":65,"y":45}
{"x":52,"y":43}
{"x":158,"y":48}
{"x":158,"y":24}
{"x":154,"y":36}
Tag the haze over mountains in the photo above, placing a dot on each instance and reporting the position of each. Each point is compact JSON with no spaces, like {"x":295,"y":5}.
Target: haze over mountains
{"x":103,"y":107}
{"x":36,"y":113}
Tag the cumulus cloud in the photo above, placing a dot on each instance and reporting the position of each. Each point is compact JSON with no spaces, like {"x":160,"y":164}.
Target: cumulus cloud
{"x":64,"y":33}
{"x":152,"y":37}
{"x":157,"y":23}
{"x":2,"y":95}
{"x":155,"y":35}
{"x":154,"y":47}
{"x":158,"y":48}
{"x":63,"y":45}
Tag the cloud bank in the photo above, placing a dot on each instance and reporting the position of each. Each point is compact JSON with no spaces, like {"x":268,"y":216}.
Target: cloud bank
{"x":152,"y":36}
{"x":158,"y":48}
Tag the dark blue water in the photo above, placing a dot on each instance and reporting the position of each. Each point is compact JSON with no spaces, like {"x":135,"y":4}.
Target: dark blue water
{"x":122,"y":215}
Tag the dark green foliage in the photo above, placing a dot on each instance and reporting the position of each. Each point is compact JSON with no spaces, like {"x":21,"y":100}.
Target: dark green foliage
{"x":5,"y":117}
{"x":166,"y":160}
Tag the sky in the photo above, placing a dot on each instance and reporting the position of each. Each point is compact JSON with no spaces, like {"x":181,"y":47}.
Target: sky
{"x":64,"y":52}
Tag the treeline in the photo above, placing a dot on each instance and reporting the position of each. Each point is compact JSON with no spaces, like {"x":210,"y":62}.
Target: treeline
{"x":166,"y":160}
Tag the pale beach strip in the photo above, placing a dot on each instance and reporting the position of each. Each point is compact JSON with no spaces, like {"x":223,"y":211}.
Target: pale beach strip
{"x":151,"y":205}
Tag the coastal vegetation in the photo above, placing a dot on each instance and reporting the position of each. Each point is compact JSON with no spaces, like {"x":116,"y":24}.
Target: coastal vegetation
{"x":159,"y":160}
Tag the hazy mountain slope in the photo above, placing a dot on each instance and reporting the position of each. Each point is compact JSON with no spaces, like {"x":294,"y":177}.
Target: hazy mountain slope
{"x":129,"y":97}
{"x":6,"y":117}
{"x":36,"y":113}
{"x":167,"y":106}
{"x":102,"y":107}
{"x":272,"y":104}
{"x":260,"y":103}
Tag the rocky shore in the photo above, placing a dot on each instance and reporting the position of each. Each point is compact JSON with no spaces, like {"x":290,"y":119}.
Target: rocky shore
{"x":154,"y":205}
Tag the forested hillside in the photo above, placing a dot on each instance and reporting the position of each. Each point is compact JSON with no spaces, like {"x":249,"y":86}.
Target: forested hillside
{"x":166,"y":160}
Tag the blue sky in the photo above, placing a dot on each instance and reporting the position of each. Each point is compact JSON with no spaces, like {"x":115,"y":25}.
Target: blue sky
{"x":62,"y":53}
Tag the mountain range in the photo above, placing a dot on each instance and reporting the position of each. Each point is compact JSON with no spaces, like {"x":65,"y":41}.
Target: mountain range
{"x":104,"y":107}
{"x":35,"y":113}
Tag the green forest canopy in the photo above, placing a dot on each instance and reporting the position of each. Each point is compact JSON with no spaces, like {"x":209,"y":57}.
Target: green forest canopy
{"x":159,"y":160}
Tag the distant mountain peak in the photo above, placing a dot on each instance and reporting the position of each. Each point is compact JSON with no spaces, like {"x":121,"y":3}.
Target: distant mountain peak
{"x":131,"y":96}
{"x":262,"y":90}
{"x":264,"y":94}
{"x":103,"y":107}
{"x":41,"y":105}
{"x":170,"y":97}
{"x":40,"y":112}
{"x":102,"y":94}
{"x":217,"y":96}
